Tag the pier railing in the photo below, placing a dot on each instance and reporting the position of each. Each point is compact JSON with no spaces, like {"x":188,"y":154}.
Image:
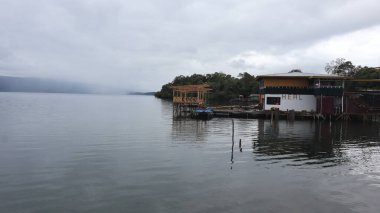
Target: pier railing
{"x":188,"y":100}
{"x":327,"y":91}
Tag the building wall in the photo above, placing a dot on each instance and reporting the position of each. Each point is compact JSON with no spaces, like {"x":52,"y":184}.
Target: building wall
{"x":292,"y":102}
{"x":286,"y":82}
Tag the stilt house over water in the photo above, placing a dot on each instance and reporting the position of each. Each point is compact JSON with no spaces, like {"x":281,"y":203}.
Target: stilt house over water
{"x":320,"y":93}
{"x":189,"y":97}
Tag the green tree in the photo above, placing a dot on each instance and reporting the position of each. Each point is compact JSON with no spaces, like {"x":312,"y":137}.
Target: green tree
{"x":367,"y":73}
{"x":340,"y":67}
{"x":247,"y":84}
{"x":224,"y":87}
{"x":165,"y":92}
{"x":295,"y":70}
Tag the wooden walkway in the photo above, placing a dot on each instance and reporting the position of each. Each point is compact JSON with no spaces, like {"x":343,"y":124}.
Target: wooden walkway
{"x":288,"y":115}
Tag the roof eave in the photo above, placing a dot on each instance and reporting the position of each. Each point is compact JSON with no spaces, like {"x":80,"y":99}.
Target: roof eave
{"x":306,"y":77}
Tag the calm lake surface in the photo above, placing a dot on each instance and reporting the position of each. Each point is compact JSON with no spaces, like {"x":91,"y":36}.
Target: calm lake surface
{"x":92,"y":153}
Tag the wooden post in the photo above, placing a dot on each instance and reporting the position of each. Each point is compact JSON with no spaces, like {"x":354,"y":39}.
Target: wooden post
{"x":291,"y":115}
{"x":233,"y":130}
{"x":277,"y":114}
{"x":343,"y":98}
{"x":271,"y":116}
{"x":233,"y":142}
{"x":321,"y":110}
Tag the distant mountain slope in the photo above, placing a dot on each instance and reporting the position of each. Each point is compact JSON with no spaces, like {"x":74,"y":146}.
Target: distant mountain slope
{"x":141,"y":93}
{"x":17,"y":84}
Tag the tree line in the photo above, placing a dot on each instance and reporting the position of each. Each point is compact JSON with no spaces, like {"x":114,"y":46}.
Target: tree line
{"x":226,"y":87}
{"x":341,"y":67}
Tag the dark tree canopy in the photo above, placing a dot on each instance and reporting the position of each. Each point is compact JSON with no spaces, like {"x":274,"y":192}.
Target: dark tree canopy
{"x":224,"y":87}
{"x":340,"y":67}
{"x":295,"y":70}
{"x":367,"y":73}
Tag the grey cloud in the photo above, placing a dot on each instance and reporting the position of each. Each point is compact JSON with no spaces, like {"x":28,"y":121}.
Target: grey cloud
{"x":144,"y":44}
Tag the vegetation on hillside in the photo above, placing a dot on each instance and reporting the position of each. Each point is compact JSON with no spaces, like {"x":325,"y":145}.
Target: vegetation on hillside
{"x":342,"y":67}
{"x":224,"y":87}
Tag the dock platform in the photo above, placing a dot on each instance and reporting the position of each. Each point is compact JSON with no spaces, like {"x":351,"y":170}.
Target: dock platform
{"x":292,"y":115}
{"x":239,"y":113}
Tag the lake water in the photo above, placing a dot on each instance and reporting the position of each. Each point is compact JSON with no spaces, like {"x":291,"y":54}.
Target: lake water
{"x":92,"y":153}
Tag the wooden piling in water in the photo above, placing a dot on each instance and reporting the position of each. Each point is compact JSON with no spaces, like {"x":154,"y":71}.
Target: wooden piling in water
{"x":271,"y":116}
{"x":276,"y":115}
{"x":233,"y":130}
{"x":291,"y":115}
{"x":233,"y":142}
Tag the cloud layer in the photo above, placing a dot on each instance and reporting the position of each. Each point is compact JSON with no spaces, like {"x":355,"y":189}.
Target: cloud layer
{"x":143,"y":44}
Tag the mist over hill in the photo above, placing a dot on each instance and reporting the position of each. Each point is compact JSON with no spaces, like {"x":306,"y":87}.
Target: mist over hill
{"x":21,"y":84}
{"x":141,"y":93}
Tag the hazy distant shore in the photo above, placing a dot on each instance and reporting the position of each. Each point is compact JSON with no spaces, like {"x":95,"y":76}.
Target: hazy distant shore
{"x":40,"y":85}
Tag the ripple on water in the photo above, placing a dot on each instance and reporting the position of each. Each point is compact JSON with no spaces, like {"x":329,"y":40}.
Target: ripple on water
{"x":101,"y":153}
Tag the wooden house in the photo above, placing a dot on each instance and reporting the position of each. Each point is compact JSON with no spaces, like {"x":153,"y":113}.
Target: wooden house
{"x":299,"y":91}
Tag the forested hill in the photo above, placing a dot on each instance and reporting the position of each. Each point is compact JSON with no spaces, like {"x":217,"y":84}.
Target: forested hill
{"x":224,"y":87}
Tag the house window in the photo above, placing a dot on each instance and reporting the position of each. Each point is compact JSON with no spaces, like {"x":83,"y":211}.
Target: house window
{"x":273,"y":100}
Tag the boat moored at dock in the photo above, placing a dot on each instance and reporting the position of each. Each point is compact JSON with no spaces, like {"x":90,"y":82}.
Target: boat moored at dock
{"x":204,"y":114}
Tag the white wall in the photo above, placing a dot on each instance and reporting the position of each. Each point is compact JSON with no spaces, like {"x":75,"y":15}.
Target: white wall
{"x":293,"y":102}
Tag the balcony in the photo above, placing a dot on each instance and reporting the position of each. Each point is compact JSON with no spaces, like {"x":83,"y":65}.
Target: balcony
{"x":188,"y":100}
{"x":326,"y":91}
{"x":329,"y":91}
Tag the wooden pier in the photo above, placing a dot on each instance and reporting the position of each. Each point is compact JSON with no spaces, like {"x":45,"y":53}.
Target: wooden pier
{"x":292,"y":115}
{"x":363,"y":105}
{"x":239,"y":113}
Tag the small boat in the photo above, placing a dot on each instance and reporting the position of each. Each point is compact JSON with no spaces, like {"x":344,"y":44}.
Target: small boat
{"x":204,"y":114}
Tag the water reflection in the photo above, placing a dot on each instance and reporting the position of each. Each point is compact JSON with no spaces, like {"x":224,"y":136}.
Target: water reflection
{"x":308,"y":142}
{"x":104,"y":153}
{"x":300,"y":143}
{"x":185,"y":130}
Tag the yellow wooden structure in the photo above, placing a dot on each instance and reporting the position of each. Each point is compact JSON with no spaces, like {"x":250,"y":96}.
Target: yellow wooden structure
{"x":188,"y":97}
{"x":190,"y":94}
{"x":286,"y":82}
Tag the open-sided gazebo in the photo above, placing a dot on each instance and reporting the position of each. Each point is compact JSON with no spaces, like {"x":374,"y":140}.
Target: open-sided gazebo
{"x":189,"y":96}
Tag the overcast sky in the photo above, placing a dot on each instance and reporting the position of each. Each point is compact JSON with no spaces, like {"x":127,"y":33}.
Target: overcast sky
{"x":141,"y":45}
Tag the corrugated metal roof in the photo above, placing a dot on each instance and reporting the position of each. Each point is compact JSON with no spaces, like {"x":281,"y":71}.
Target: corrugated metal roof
{"x":301,"y":75}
